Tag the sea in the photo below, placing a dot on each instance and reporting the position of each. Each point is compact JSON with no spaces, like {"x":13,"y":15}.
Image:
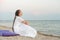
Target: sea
{"x":50,"y":27}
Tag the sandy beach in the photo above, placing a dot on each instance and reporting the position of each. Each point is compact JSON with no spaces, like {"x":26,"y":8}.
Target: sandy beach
{"x":39,"y":36}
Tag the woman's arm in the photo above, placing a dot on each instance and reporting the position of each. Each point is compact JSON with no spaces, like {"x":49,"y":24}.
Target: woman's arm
{"x":25,"y":22}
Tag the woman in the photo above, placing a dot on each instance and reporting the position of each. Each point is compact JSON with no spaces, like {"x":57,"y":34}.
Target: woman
{"x":21,"y":27}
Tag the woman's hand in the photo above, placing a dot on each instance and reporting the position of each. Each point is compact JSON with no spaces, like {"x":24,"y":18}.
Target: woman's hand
{"x":26,"y":22}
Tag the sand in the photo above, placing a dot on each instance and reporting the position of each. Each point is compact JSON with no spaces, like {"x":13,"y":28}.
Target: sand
{"x":39,"y":36}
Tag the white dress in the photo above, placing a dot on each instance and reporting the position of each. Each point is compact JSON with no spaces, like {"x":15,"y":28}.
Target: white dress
{"x":22,"y":29}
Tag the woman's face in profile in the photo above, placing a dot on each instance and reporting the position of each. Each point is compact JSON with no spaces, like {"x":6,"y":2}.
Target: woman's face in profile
{"x":20,"y":13}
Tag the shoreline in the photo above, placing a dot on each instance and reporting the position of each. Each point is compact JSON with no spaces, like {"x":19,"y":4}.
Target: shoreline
{"x":48,"y":35}
{"x":40,"y":36}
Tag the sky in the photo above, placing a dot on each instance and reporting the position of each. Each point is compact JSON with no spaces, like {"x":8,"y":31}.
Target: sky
{"x":32,"y":9}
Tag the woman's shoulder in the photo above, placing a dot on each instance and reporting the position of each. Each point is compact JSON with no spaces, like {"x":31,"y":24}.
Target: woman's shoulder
{"x":20,"y":18}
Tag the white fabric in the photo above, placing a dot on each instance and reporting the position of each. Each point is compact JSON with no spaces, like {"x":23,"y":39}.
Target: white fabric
{"x":22,"y":29}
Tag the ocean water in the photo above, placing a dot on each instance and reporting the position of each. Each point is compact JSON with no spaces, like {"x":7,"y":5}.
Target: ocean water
{"x":50,"y":27}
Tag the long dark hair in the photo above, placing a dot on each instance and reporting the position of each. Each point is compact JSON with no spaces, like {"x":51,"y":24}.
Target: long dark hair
{"x":16,"y":14}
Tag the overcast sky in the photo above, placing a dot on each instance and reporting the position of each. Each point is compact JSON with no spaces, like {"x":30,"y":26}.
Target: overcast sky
{"x":32,"y":9}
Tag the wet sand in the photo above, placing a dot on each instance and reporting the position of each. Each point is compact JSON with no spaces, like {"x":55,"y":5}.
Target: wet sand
{"x":40,"y":36}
